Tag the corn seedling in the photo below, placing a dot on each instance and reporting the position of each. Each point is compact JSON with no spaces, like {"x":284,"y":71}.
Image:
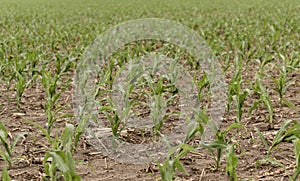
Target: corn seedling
{"x":221,"y":137}
{"x":296,"y":143}
{"x":282,"y":83}
{"x":263,"y":62}
{"x":2,"y":62}
{"x":62,"y":65}
{"x":239,"y":100}
{"x":269,"y":160}
{"x":264,"y":98}
{"x":20,"y":76}
{"x":159,"y":88}
{"x":156,"y":112}
{"x":236,"y":80}
{"x":221,"y":142}
{"x":51,"y":83}
{"x":202,"y":84}
{"x":113,"y":117}
{"x":231,"y":164}
{"x":286,"y":134}
{"x":116,"y":117}
{"x":197,"y":126}
{"x":61,"y":162}
{"x":283,"y":135}
{"x":235,"y":90}
{"x":20,"y":87}
{"x":158,"y":103}
{"x":172,"y":162}
{"x":62,"y":158}
{"x":219,"y":145}
{"x":84,"y":121}
{"x":262,"y":138}
{"x":52,"y":108}
{"x":7,"y":154}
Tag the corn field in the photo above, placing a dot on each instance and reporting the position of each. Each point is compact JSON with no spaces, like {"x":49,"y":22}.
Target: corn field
{"x":256,"y":44}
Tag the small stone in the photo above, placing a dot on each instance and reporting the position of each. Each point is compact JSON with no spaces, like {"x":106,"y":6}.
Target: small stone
{"x":18,"y":115}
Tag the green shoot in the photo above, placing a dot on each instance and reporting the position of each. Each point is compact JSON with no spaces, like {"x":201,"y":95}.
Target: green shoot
{"x":231,"y":164}
{"x":5,"y":175}
{"x":20,"y":76}
{"x":62,"y":159}
{"x":221,"y":143}
{"x":7,"y":154}
{"x":52,"y":108}
{"x":282,"y":82}
{"x":20,"y":87}
{"x":197,"y":126}
{"x":285,"y":134}
{"x":62,"y":163}
{"x":264,"y":98}
{"x":235,"y":90}
{"x":172,"y":162}
{"x":262,"y":138}
{"x":297,"y":154}
{"x":113,"y":118}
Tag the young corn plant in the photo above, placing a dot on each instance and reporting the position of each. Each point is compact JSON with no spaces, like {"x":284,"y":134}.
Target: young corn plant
{"x":157,"y":113}
{"x":235,"y":80}
{"x":104,"y":80}
{"x":118,"y":118}
{"x":197,"y":126}
{"x":239,"y":100}
{"x":62,"y":163}
{"x":51,"y":83}
{"x":292,"y":63}
{"x":264,"y":98}
{"x":232,"y":161}
{"x":285,"y":134}
{"x":114,"y":118}
{"x":262,"y":64}
{"x":156,"y":97}
{"x":58,"y":161}
{"x":202,"y":84}
{"x":296,"y":143}
{"x":2,"y":62}
{"x":236,"y":93}
{"x":84,"y":120}
{"x":221,"y":143}
{"x":20,"y":77}
{"x":159,"y":89}
{"x":172,"y":162}
{"x":34,"y":56}
{"x":282,"y":83}
{"x":7,"y":153}
{"x":20,"y":86}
